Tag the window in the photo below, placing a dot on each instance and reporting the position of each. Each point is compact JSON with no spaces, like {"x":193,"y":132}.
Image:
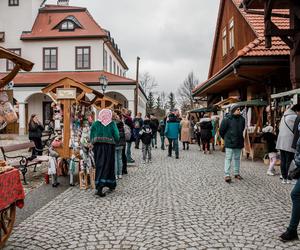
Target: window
{"x":231,"y":34}
{"x":121,"y":73}
{"x":105,"y":60}
{"x":9,"y":64}
{"x":114,"y":67}
{"x":110,"y":64}
{"x":67,"y":26}
{"x":49,"y":58}
{"x":224,"y":41}
{"x":118,"y":70}
{"x":13,"y":2}
{"x":83,"y":57}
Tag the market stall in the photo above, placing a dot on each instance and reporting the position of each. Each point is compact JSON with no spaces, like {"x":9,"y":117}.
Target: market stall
{"x":254,"y":115}
{"x":75,"y":106}
{"x":11,"y":196}
{"x":11,"y":189}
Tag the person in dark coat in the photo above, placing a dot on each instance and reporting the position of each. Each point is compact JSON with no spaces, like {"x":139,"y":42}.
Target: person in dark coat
{"x":161,"y":130}
{"x":154,"y":123}
{"x":36,"y":129}
{"x":138,"y":123}
{"x":291,"y":233}
{"x":119,"y":147}
{"x":231,"y":130}
{"x":129,"y":122}
{"x":206,"y":132}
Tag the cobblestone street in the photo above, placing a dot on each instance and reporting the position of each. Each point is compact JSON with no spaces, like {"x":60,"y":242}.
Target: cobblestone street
{"x":170,"y":204}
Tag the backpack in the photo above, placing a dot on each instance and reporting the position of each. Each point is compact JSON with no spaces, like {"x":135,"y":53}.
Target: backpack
{"x":127,"y":131}
{"x":137,"y":124}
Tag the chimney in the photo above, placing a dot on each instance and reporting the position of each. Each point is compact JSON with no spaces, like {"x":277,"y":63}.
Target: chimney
{"x":63,"y":2}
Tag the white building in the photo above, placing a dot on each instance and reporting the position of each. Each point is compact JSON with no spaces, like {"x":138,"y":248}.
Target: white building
{"x":62,"y":41}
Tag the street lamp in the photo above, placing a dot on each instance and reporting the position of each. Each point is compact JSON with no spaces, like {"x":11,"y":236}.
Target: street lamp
{"x":103,"y":82}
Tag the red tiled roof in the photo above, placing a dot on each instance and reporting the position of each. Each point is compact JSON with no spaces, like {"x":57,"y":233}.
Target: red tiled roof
{"x":257,"y":47}
{"x":256,"y":22}
{"x":87,"y":77}
{"x":51,"y":15}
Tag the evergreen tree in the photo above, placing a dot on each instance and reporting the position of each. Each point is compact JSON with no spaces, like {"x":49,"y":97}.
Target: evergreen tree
{"x":171,"y":101}
{"x":150,"y":103}
{"x":158,"y":103}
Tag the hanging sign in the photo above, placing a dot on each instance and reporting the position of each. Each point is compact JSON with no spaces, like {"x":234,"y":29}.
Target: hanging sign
{"x":69,"y":93}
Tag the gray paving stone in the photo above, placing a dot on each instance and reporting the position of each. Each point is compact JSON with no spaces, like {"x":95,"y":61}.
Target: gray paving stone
{"x":170,"y":204}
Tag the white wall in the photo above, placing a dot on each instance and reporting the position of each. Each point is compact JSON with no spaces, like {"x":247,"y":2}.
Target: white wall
{"x":16,"y":19}
{"x":35,"y":105}
{"x":33,"y":51}
{"x":114,"y":59}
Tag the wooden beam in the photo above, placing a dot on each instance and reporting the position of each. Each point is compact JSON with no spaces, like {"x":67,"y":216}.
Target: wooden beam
{"x":287,"y":93}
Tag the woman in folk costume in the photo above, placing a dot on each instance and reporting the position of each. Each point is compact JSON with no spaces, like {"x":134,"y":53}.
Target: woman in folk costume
{"x":104,"y":135}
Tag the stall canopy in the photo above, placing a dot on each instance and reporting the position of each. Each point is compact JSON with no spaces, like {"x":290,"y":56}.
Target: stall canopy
{"x":252,"y":103}
{"x":204,"y":110}
{"x":20,"y":63}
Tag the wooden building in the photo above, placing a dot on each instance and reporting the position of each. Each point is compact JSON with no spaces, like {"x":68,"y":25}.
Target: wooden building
{"x":240,"y":64}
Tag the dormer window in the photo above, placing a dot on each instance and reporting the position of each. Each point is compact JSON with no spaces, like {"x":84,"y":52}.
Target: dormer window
{"x":67,"y":26}
{"x":70,"y":23}
{"x":13,"y":2}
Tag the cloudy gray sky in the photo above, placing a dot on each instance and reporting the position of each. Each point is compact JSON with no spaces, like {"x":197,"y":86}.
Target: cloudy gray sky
{"x":172,"y":37}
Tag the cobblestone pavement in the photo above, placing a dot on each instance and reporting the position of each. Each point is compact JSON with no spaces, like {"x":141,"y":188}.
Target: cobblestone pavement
{"x":170,"y":204}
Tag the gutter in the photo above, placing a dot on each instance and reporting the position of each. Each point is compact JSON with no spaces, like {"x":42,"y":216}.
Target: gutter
{"x":240,"y":62}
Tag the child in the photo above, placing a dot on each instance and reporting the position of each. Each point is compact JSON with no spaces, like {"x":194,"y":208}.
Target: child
{"x":53,"y":155}
{"x":146,"y":137}
{"x":270,"y":139}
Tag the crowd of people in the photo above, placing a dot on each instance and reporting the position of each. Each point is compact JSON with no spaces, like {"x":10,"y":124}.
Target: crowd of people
{"x":114,"y":132}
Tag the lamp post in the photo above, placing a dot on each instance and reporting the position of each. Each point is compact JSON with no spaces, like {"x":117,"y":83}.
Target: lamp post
{"x":103,"y":82}
{"x":136,"y":93}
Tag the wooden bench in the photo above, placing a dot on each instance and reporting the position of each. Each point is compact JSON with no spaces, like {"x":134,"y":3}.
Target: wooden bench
{"x":22,"y":162}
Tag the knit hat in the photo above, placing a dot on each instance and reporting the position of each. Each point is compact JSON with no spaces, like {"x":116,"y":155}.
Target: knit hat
{"x":267,"y":129}
{"x":233,"y":108}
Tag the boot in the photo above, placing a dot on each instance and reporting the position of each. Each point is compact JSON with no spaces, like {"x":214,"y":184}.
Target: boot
{"x":289,"y":236}
{"x":100,"y":192}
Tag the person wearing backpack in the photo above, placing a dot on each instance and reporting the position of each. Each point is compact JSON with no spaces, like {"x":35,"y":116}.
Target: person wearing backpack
{"x":146,"y":138}
{"x":285,"y":140}
{"x":138,"y":123}
{"x":128,"y":126}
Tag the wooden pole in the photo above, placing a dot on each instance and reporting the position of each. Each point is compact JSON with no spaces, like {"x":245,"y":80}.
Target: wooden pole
{"x":136,"y":96}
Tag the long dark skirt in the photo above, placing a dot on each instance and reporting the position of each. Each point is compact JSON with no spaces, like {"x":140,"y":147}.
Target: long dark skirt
{"x":105,"y":165}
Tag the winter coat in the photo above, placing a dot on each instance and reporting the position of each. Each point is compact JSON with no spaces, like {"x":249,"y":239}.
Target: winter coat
{"x":206,"y":129}
{"x":162,"y":127}
{"x":172,"y":127}
{"x":104,"y":134}
{"x":286,"y":135}
{"x":185,"y":135}
{"x":270,"y":139}
{"x":121,"y":142}
{"x":35,"y":130}
{"x":296,"y":132}
{"x":154,"y":124}
{"x":297,"y":155}
{"x":146,"y":133}
{"x":231,"y":130}
{"x":128,"y":121}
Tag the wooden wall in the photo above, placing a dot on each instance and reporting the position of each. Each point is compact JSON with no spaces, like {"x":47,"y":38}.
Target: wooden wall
{"x":243,"y":35}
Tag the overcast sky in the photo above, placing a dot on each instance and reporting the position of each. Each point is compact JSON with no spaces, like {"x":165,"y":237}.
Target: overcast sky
{"x":172,"y":37}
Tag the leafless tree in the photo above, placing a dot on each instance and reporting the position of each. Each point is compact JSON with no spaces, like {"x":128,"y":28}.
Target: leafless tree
{"x":148,"y":83}
{"x":163,"y":99}
{"x":185,"y":91}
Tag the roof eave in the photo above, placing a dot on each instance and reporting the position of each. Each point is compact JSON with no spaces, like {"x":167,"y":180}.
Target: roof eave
{"x":253,"y":60}
{"x":62,"y":37}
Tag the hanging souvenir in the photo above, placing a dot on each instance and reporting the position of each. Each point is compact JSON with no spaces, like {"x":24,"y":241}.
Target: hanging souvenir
{"x":9,"y":113}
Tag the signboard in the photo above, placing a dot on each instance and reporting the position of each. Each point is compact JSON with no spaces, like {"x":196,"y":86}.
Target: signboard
{"x":66,"y":93}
